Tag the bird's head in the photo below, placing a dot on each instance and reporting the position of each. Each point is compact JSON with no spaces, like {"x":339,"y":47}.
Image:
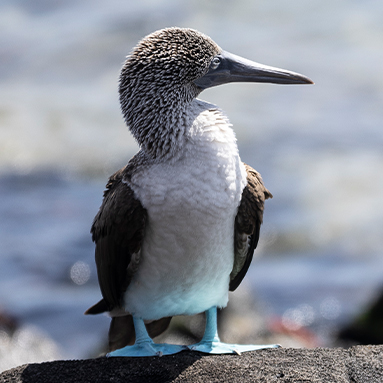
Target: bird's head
{"x":170,"y":58}
{"x":170,"y":67}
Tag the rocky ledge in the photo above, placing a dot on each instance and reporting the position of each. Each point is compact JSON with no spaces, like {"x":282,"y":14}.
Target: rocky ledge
{"x":359,"y":364}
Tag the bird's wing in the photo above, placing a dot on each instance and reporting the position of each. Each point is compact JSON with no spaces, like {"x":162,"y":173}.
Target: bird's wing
{"x":117,"y":230}
{"x":247,"y":224}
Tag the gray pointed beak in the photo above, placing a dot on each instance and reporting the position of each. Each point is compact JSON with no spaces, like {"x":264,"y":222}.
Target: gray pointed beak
{"x":227,"y":67}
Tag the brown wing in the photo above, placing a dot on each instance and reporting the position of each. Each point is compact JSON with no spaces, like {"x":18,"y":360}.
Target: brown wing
{"x":247,"y":224}
{"x":117,"y":230}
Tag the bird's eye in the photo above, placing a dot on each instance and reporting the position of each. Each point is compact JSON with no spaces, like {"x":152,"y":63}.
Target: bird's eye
{"x":215,"y":62}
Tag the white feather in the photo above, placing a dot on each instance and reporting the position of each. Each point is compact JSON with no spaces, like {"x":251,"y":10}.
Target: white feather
{"x":188,"y":249}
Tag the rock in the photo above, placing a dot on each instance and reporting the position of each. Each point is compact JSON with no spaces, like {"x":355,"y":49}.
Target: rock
{"x":359,"y":364}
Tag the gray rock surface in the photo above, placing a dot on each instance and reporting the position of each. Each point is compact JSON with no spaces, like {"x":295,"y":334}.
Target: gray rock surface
{"x":360,"y":364}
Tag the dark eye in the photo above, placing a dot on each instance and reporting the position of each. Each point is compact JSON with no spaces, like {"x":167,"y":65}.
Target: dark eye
{"x":215,"y":62}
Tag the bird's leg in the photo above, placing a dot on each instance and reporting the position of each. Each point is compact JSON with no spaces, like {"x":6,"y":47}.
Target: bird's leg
{"x":144,"y":345}
{"x":211,"y":344}
{"x":211,"y":328}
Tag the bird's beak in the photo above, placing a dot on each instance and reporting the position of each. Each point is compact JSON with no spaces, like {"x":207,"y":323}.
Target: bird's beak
{"x":227,"y":67}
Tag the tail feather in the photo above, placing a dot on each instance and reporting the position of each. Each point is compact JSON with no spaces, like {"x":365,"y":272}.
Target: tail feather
{"x":98,"y":308}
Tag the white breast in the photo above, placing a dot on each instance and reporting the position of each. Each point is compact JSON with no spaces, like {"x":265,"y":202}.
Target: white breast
{"x":188,"y":249}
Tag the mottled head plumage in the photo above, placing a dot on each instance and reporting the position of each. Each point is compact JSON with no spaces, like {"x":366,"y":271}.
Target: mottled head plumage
{"x":169,"y":57}
{"x":156,"y":84}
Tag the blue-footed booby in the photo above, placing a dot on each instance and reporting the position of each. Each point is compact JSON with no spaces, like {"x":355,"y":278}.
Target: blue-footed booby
{"x":178,"y":225}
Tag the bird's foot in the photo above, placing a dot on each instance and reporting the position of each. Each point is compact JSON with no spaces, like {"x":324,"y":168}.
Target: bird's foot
{"x":218,"y":347}
{"x":147,"y":348}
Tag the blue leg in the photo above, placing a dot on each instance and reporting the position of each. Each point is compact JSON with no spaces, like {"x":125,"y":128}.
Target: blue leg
{"x":144,"y":345}
{"x":211,"y":343}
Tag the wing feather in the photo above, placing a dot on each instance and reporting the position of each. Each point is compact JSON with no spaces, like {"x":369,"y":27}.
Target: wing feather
{"x":247,"y":225}
{"x":118,"y":230}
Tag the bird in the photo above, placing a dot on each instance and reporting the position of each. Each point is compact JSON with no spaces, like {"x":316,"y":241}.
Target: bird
{"x":178,"y":224}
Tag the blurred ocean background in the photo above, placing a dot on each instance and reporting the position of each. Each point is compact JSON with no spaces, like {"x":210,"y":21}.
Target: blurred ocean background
{"x":319,"y":149}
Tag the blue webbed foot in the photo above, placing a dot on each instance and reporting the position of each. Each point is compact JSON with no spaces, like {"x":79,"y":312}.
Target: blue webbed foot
{"x":211,"y":343}
{"x":218,"y":347}
{"x":147,"y":348}
{"x":144,"y":345}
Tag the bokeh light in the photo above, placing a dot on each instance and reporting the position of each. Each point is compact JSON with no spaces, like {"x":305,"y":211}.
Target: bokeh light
{"x":330,"y":308}
{"x":80,"y":273}
{"x":296,"y":318}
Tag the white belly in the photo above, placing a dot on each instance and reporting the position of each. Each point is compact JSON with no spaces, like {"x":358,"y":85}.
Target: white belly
{"x":188,"y":248}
